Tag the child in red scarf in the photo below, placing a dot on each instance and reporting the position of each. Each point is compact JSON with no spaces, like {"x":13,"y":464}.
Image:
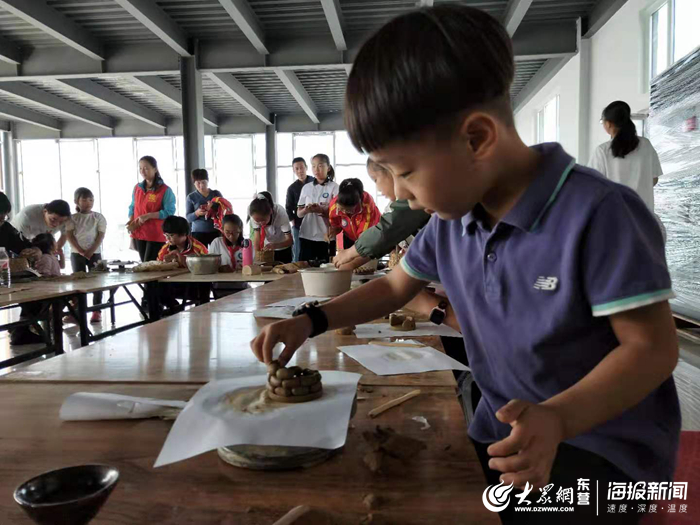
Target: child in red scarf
{"x":353,"y":211}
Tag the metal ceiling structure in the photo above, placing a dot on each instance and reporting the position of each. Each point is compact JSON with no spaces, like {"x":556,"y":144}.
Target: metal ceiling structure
{"x":93,"y":68}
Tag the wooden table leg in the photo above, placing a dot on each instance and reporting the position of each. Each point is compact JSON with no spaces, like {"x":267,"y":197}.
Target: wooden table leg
{"x":154,"y":308}
{"x":57,"y":325}
{"x":112,"y":309}
{"x":82,"y":320}
{"x":203,"y":293}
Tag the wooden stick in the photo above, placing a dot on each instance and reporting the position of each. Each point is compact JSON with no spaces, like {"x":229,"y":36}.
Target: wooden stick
{"x":391,"y":404}
{"x":292,"y":515}
{"x":396,"y":345}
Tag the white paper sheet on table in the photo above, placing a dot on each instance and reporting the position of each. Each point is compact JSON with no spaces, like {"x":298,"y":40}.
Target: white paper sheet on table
{"x":390,"y":360}
{"x":90,"y":406}
{"x":368,"y":331}
{"x":298,"y":301}
{"x":207,"y":422}
{"x":275,"y":312}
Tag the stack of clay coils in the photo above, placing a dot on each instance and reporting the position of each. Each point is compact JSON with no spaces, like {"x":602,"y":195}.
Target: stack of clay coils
{"x":293,"y":384}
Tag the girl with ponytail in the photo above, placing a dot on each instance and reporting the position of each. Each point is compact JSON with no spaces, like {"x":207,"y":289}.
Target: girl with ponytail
{"x":627,"y":159}
{"x":353,"y":212}
{"x":314,"y":203}
{"x":271,"y":228}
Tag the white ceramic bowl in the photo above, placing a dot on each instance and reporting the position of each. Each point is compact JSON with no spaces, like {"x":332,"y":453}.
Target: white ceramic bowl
{"x":325,"y":282}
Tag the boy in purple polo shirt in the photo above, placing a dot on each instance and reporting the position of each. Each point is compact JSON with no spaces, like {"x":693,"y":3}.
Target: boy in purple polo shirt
{"x":556,"y":275}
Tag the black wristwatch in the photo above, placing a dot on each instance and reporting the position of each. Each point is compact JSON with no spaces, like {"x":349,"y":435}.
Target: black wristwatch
{"x":439,"y":313}
{"x":319,"y":320}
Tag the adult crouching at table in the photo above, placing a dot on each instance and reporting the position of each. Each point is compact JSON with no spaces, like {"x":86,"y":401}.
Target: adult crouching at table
{"x":198,"y":203}
{"x":151,"y":203}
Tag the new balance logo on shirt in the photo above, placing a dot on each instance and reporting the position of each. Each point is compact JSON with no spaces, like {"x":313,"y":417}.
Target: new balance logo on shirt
{"x":548,"y":284}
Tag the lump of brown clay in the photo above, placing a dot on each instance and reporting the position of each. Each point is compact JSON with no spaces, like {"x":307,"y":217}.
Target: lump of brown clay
{"x":409,"y":324}
{"x":396,"y":319}
{"x":348,"y":330}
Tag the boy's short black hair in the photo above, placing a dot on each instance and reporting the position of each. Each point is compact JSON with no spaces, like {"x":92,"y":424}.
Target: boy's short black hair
{"x":298,"y":159}
{"x":5,"y":205}
{"x":58,"y":207}
{"x":176,"y":225}
{"x":400,"y":87}
{"x":200,"y":174}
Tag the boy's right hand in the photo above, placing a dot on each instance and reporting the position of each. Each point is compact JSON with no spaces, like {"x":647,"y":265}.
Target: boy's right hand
{"x":292,"y":332}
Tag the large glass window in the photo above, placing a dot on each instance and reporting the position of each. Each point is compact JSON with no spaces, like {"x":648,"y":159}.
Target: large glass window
{"x":686,"y":36}
{"x":548,"y":122}
{"x":40,"y":171}
{"x":118,"y":172}
{"x":53,"y":169}
{"x":672,"y":32}
{"x":235,"y":176}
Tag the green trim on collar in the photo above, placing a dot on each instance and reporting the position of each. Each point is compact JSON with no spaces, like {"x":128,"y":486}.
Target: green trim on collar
{"x":553,"y":197}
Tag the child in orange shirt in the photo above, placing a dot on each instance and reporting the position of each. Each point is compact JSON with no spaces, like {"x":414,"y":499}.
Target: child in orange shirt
{"x":353,"y":211}
{"x":180,"y":242}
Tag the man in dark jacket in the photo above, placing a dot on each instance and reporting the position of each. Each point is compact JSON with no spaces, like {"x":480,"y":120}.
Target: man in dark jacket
{"x":293,"y":192}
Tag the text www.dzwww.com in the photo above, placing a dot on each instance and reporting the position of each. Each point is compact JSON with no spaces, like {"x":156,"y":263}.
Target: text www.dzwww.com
{"x":544,"y":509}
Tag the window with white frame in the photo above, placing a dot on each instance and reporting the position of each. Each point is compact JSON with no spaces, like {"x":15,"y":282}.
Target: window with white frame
{"x":672,"y":32}
{"x":548,"y":122}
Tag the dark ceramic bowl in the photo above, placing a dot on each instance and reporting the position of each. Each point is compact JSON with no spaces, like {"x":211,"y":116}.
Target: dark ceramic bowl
{"x":69,"y":496}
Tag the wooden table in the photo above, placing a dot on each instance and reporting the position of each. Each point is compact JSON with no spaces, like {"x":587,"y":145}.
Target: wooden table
{"x":198,"y":346}
{"x":111,"y":282}
{"x":23,"y":293}
{"x":234,"y":277}
{"x":442,"y":484}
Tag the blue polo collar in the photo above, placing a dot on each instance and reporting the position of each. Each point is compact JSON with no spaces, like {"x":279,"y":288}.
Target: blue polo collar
{"x":528,"y":212}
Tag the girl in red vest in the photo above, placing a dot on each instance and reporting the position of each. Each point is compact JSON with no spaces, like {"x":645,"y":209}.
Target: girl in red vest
{"x":353,"y":212}
{"x":152,"y":202}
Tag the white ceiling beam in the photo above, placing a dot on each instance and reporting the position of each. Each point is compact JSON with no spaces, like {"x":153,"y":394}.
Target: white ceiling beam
{"x":295,"y":87}
{"x":247,"y":22}
{"x":515,"y":12}
{"x":57,"y":104}
{"x":9,"y":52}
{"x":425,"y":3}
{"x":235,"y":89}
{"x":334,"y":15}
{"x":18,"y":114}
{"x":159,"y":23}
{"x":120,"y":102}
{"x":169,"y":93}
{"x":54,"y":23}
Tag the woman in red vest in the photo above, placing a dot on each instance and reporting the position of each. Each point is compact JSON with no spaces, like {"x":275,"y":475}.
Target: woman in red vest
{"x":151,"y":203}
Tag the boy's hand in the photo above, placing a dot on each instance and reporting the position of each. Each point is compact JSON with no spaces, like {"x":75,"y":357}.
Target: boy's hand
{"x":170,"y":257}
{"x":528,"y":453}
{"x":292,"y":332}
{"x":200,"y":212}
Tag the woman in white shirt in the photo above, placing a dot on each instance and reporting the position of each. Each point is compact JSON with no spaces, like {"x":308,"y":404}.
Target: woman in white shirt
{"x":627,"y":158}
{"x":271,"y":228}
{"x":314,"y":202}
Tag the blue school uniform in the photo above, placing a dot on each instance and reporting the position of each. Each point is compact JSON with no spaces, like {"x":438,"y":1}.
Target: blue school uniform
{"x":533,"y":295}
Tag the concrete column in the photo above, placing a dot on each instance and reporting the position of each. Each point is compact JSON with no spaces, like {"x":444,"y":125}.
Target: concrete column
{"x":10,"y":174}
{"x":584,"y":101}
{"x":192,"y":117}
{"x":271,"y":157}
